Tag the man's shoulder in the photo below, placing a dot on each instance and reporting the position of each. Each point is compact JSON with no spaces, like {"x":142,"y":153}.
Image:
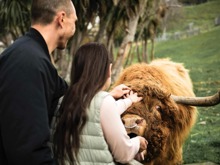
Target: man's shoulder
{"x":21,"y":47}
{"x":25,"y":53}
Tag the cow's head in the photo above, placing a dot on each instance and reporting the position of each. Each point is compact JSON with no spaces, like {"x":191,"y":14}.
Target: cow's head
{"x":151,"y":118}
{"x":157,"y":117}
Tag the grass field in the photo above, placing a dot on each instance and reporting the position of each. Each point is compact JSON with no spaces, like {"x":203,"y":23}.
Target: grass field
{"x":201,"y":16}
{"x":201,"y":55}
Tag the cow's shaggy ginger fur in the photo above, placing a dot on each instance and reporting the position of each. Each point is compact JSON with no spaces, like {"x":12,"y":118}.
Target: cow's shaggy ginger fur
{"x":168,"y":123}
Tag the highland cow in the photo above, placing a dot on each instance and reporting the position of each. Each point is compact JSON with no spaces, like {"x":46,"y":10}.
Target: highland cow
{"x":163,"y":122}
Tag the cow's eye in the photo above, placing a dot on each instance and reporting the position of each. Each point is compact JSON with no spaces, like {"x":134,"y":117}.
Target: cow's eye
{"x":158,"y":108}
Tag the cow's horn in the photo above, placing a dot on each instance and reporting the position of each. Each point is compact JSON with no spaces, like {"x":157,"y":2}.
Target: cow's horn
{"x":198,"y":101}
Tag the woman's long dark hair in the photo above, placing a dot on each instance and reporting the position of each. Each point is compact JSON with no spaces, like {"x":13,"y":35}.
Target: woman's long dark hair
{"x":89,"y":73}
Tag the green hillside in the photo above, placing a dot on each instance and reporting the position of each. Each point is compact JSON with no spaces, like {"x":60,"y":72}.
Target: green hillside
{"x":201,"y":55}
{"x":202,"y":16}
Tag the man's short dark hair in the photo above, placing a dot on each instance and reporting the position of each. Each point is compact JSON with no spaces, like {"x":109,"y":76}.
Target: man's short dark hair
{"x":43,"y":11}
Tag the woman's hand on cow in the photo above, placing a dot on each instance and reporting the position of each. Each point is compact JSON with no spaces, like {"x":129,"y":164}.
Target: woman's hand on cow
{"x":133,"y":97}
{"x":143,"y":144}
{"x":120,"y":91}
{"x":140,"y":156}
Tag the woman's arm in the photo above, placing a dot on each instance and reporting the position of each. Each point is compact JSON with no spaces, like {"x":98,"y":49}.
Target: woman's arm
{"x":123,"y":104}
{"x":122,"y":147}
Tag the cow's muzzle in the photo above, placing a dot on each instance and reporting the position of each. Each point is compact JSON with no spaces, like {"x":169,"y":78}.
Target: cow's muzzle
{"x":134,"y":125}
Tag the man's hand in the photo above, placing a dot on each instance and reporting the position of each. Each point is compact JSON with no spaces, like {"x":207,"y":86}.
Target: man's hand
{"x":120,"y":91}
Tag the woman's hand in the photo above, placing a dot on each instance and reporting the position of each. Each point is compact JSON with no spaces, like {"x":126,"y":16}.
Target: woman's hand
{"x":120,"y":91}
{"x":133,"y":96}
{"x":140,"y":156}
{"x":143,"y":144}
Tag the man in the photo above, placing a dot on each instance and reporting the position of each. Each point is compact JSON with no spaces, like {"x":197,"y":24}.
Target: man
{"x":30,"y":86}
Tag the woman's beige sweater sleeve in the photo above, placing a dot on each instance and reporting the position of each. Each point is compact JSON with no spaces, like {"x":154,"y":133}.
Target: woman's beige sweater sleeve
{"x":122,"y":147}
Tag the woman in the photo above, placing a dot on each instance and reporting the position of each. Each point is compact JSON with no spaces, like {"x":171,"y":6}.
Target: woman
{"x":90,"y":130}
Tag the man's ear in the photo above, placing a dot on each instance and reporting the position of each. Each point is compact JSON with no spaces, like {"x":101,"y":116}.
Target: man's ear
{"x":61,"y":18}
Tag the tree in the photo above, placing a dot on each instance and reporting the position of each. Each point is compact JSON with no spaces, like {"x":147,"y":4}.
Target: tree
{"x":134,"y":9}
{"x":15,"y":19}
{"x":119,"y":24}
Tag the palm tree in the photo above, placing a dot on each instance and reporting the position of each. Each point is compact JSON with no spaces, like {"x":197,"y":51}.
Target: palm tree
{"x":15,"y":17}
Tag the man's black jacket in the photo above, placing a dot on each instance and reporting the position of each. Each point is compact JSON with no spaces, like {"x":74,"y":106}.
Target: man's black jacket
{"x":29,"y":90}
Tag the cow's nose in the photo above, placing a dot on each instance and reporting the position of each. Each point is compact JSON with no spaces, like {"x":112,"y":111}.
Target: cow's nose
{"x":129,"y":123}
